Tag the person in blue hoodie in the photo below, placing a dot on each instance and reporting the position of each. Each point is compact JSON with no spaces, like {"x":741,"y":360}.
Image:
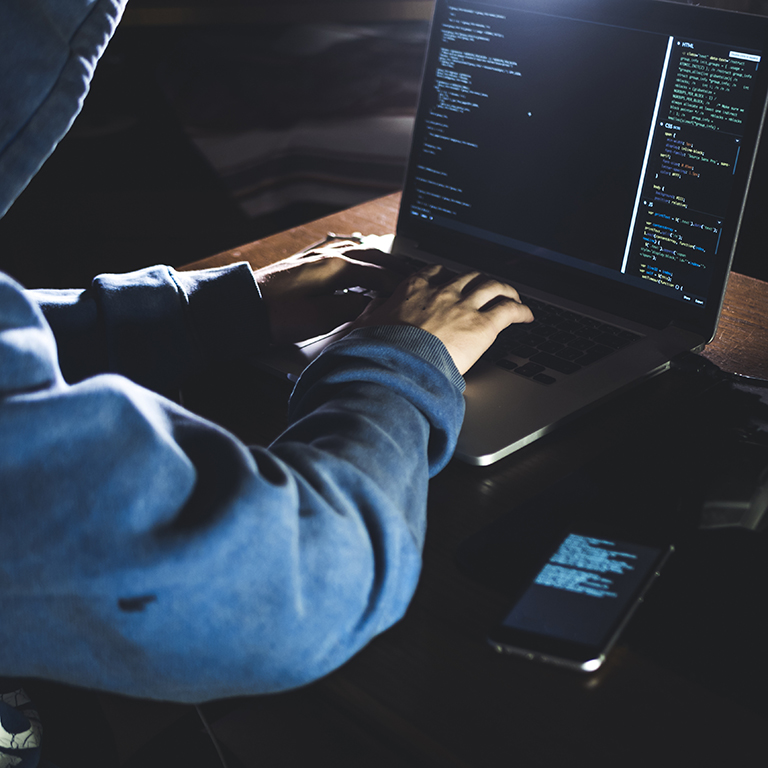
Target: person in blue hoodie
{"x":145,"y":550}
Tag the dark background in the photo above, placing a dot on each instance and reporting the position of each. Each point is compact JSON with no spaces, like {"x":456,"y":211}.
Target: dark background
{"x":127,"y":188}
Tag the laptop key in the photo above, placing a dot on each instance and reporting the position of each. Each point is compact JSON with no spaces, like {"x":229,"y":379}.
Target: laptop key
{"x":526,"y":338}
{"x":569,"y":326}
{"x":558,"y":339}
{"x":562,"y":337}
{"x":546,"y":330}
{"x":550,"y":346}
{"x":523,"y":351}
{"x":555,"y":363}
{"x":582,"y":344}
{"x":530,"y":369}
{"x":568,"y":353}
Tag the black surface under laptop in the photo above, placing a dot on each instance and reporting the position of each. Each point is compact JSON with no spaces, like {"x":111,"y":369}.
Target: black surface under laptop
{"x":597,"y":156}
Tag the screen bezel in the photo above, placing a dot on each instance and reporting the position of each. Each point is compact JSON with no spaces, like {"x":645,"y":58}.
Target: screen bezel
{"x":611,"y":296}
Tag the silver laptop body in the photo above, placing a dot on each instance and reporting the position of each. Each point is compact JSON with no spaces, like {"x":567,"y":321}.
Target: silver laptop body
{"x":597,"y":156}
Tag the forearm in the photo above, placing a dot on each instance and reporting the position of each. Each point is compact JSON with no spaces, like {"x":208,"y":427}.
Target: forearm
{"x":157,"y":325}
{"x":149,"y":552}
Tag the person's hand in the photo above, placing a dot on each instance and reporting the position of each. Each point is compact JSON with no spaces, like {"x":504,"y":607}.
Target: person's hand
{"x":466,"y":312}
{"x":318,"y":290}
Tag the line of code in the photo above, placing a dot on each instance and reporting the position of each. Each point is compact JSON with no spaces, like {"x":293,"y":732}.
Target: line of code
{"x":668,"y":239}
{"x":455,"y":95}
{"x":681,"y":157}
{"x":696,"y":152}
{"x":708,"y":90}
{"x":579,"y":562}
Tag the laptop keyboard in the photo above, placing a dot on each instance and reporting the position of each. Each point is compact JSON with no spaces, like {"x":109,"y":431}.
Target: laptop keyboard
{"x":558,"y":342}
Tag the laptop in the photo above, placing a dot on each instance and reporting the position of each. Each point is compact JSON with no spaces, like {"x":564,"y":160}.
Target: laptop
{"x":596,"y":154}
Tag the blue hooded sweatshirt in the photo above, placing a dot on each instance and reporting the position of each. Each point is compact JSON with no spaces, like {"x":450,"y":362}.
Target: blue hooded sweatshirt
{"x":145,"y":550}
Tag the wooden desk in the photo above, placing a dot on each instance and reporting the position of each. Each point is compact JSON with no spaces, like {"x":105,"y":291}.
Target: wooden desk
{"x":741,"y":344}
{"x":430,"y":692}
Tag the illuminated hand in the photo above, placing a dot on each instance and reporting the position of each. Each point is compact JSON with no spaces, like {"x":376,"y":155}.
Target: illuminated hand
{"x":316,"y":291}
{"x":466,"y":312}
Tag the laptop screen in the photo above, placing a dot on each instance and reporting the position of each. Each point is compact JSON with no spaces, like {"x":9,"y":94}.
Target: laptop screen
{"x":612,"y":140}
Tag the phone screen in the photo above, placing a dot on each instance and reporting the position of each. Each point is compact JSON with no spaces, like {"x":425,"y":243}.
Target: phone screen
{"x":579,"y":601}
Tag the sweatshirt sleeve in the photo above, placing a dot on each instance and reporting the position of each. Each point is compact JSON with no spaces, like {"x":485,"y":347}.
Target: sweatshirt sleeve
{"x":156,"y":325}
{"x":149,"y":552}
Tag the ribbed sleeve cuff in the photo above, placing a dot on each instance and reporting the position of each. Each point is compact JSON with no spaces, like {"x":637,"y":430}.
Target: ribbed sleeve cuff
{"x":417,"y":341}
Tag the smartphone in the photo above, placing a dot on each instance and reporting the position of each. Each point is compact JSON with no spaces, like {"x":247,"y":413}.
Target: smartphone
{"x":576,"y":606}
